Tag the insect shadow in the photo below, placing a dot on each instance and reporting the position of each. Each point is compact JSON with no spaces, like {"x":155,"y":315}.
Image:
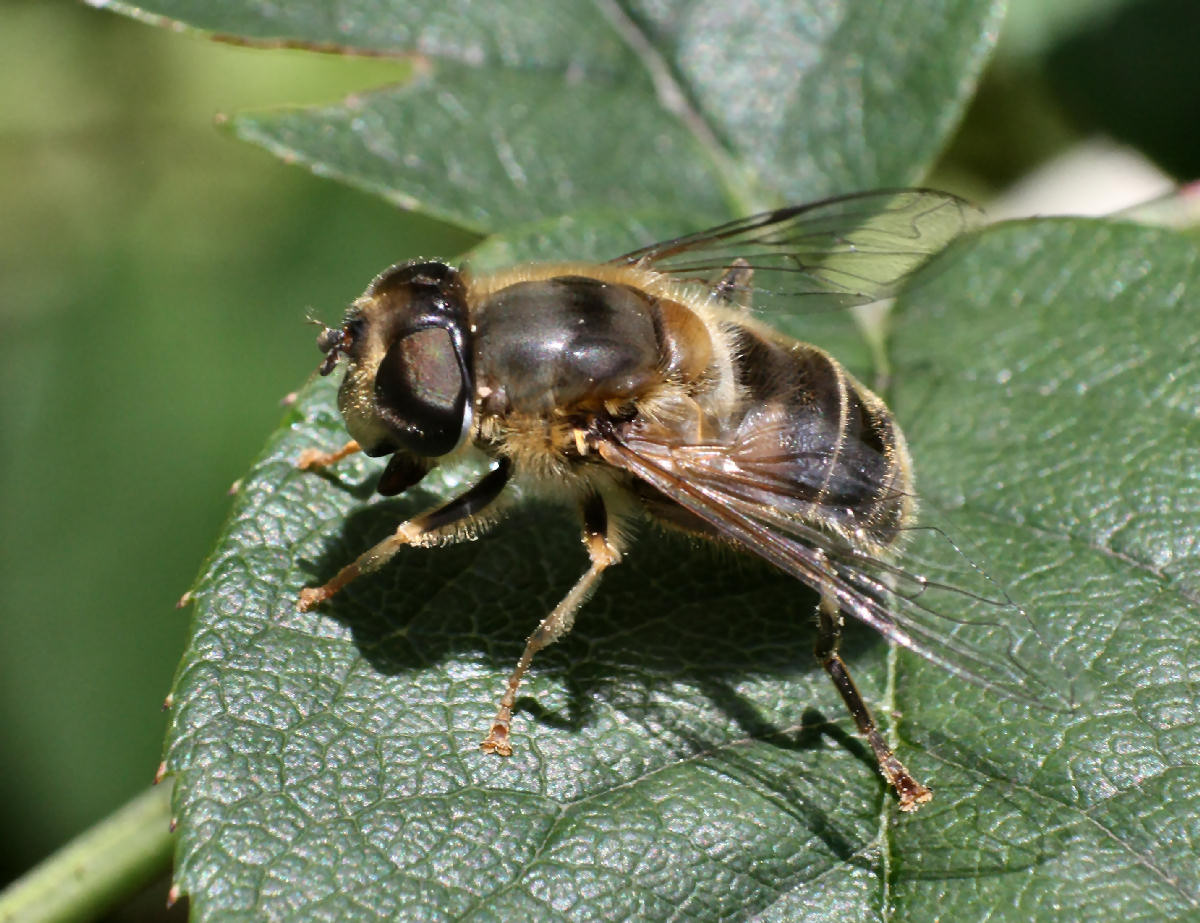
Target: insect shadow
{"x":675,"y":610}
{"x":359,"y":489}
{"x":701,"y":621}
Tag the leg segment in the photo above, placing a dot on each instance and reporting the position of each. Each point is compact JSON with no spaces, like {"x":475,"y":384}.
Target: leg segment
{"x":734,"y":286}
{"x":911,"y":792}
{"x":603,"y":553}
{"x":311,"y":459}
{"x":414,"y":532}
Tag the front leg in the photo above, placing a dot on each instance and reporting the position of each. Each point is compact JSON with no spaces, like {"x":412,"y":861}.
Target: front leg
{"x":421,"y":530}
{"x":603,"y":551}
{"x":316,"y":460}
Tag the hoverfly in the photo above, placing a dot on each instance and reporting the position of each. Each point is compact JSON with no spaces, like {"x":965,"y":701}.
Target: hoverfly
{"x":646,"y":387}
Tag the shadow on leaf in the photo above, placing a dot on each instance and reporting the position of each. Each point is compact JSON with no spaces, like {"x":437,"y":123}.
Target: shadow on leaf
{"x":675,"y":610}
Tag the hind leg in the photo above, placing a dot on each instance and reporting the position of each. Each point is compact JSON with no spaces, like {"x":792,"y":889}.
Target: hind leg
{"x":911,"y":792}
{"x":603,"y":551}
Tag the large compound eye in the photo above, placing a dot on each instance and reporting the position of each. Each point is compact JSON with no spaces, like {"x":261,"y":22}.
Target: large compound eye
{"x":421,"y":392}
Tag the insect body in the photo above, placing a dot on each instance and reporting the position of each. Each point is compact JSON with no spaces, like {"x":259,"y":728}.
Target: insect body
{"x":644,"y":387}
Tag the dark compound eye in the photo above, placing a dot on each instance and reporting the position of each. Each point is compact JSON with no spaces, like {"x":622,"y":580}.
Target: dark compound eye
{"x":429,"y":273}
{"x":421,"y":392}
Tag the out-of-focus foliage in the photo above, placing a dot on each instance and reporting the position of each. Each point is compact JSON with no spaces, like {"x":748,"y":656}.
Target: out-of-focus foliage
{"x":154,"y":281}
{"x":1135,"y":75}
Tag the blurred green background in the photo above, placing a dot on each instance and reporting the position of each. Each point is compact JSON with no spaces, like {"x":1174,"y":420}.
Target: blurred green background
{"x":155,"y":276}
{"x":154,"y":280}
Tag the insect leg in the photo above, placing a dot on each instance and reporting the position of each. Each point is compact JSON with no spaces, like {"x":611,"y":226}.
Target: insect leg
{"x":911,"y":792}
{"x":603,"y":551}
{"x":314,"y":458}
{"x":416,"y":531}
{"x":734,"y":285}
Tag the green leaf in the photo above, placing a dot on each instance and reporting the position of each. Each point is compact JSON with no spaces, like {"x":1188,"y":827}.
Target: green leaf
{"x":425,"y":147}
{"x":515,"y":33}
{"x":524,"y":109}
{"x":678,"y":754}
{"x":1050,"y":385}
{"x":819,"y":98}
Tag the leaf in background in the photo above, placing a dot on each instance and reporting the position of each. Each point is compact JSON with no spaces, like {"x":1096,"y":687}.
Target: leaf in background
{"x":780,"y":100}
{"x":823,"y":98}
{"x":515,"y":33}
{"x":514,"y":147}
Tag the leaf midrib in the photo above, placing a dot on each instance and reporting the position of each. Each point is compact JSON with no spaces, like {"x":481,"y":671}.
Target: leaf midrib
{"x":673,"y":97}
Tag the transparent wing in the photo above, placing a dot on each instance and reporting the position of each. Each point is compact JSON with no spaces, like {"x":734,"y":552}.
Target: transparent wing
{"x":928,"y":597}
{"x":849,"y":250}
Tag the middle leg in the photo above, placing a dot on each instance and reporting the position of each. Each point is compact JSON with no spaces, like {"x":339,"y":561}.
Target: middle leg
{"x":603,"y":551}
